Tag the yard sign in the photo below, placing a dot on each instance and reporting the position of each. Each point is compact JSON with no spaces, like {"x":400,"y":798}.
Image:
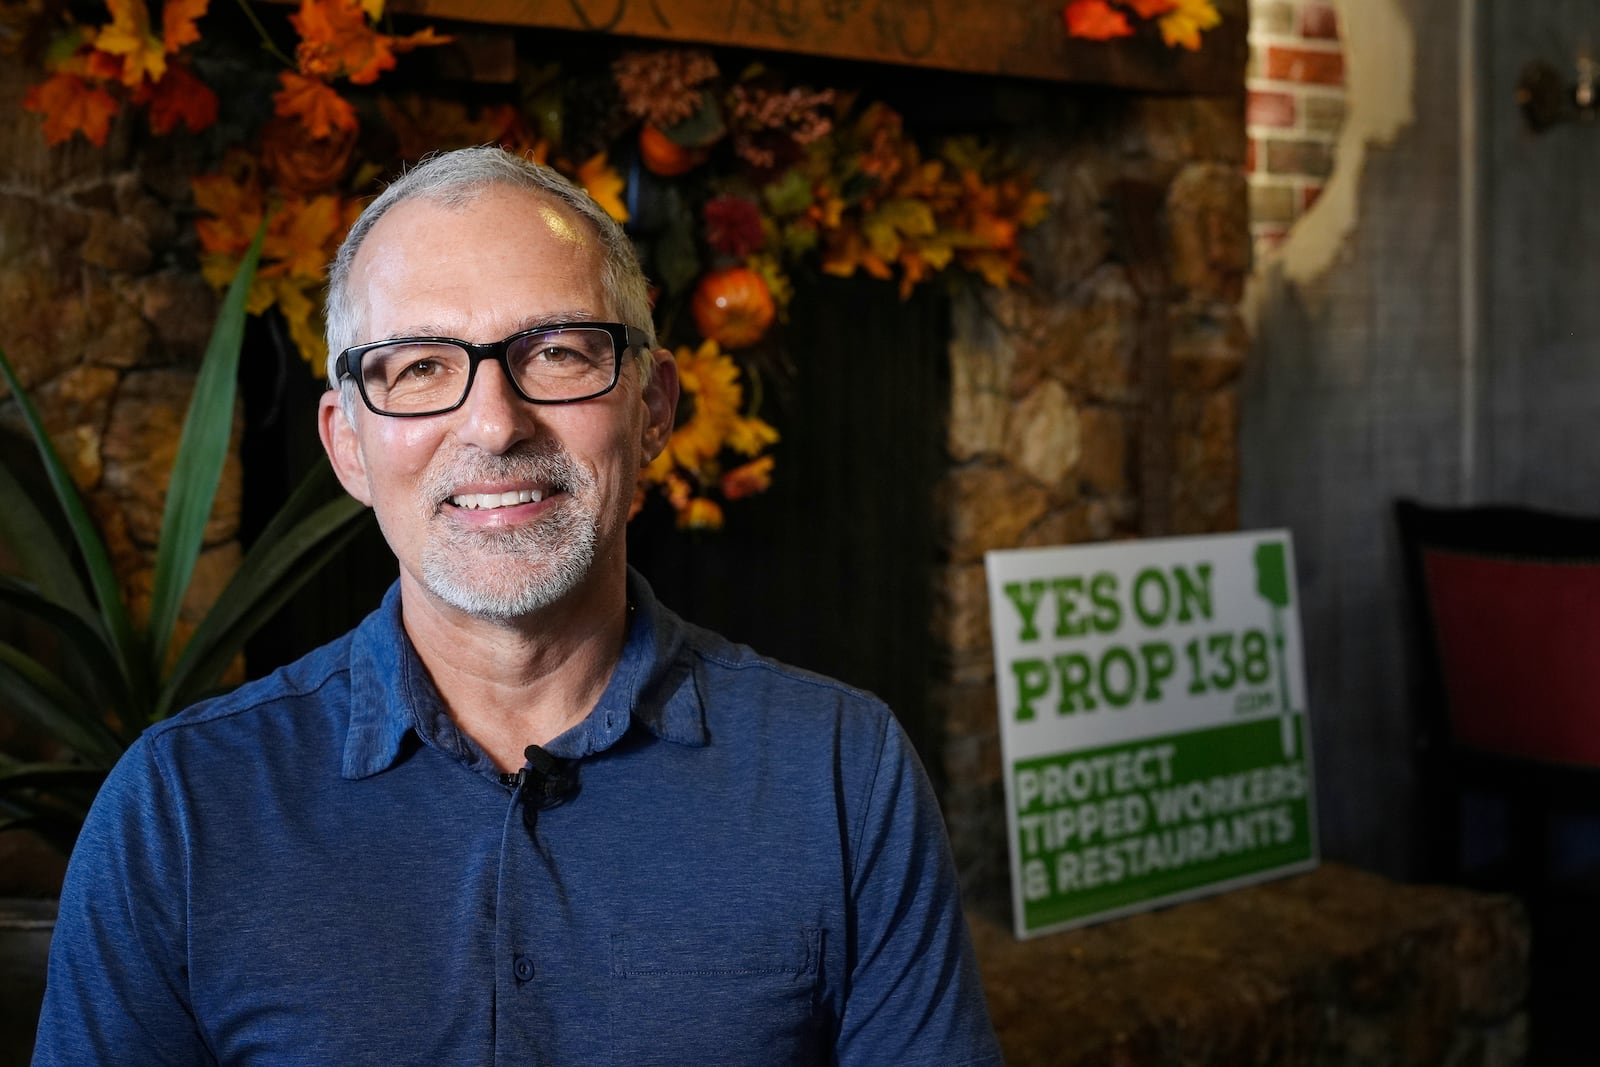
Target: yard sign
{"x":1152,"y":722}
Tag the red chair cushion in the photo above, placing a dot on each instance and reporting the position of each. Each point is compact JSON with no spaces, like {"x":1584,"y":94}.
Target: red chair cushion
{"x":1519,"y":650}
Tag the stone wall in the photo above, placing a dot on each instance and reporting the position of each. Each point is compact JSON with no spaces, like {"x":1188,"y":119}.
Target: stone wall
{"x":105,"y":320}
{"x":1098,"y":403}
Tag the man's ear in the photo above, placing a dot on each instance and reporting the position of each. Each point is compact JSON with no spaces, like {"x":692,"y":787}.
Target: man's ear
{"x":343,"y":447}
{"x":661,"y":405}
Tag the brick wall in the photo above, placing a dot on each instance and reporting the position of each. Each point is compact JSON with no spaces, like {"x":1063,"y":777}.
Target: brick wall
{"x":1296,"y":84}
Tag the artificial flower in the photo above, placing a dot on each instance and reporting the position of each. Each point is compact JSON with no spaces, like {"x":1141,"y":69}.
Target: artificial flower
{"x":298,"y":163}
{"x":733,"y":225}
{"x":748,"y":435}
{"x":710,"y":379}
{"x":661,"y":86}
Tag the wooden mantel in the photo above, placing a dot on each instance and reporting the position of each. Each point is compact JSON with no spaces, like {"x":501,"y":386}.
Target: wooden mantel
{"x":1018,"y":38}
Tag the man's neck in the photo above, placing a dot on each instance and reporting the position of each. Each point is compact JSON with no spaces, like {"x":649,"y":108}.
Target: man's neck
{"x":513,"y":683}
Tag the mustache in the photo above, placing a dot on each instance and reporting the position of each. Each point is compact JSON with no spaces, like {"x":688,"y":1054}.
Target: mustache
{"x":543,"y":462}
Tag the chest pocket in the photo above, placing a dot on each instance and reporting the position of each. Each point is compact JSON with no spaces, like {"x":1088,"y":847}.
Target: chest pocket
{"x":723,"y":993}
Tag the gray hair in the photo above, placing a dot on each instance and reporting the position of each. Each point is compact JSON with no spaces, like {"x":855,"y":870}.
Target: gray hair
{"x":453,"y":179}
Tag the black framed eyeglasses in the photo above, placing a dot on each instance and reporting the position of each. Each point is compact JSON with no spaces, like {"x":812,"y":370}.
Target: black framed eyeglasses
{"x":408,"y":377}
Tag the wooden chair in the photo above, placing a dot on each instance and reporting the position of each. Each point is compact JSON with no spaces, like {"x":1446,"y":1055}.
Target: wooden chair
{"x":1505,"y":606}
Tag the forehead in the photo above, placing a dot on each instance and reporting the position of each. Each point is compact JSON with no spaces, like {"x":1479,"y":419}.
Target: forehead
{"x":504,"y":255}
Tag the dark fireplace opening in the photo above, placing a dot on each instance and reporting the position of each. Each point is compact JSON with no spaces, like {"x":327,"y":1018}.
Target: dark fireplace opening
{"x":829,"y":568}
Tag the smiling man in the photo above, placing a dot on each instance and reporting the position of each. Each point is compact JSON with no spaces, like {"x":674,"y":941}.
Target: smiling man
{"x":523,"y":813}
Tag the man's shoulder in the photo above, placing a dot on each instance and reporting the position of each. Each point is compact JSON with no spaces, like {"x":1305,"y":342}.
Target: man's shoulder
{"x":288,"y":691}
{"x":736,"y":679}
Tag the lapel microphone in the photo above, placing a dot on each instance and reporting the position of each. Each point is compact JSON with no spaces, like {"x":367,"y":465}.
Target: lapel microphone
{"x":547,"y":781}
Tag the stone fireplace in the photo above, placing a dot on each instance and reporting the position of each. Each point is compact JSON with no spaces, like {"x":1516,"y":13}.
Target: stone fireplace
{"x":1097,"y":404}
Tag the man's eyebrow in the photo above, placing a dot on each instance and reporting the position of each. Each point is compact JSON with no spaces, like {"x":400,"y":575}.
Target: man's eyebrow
{"x":527,"y":322}
{"x":559,"y":318}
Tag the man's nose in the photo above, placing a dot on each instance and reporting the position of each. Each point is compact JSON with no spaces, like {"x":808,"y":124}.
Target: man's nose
{"x":494,"y":417}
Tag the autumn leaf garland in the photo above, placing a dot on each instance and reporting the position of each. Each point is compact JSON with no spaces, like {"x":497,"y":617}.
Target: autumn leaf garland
{"x":806,"y":175}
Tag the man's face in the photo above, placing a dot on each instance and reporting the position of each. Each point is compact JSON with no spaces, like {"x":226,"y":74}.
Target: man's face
{"x":501,"y":507}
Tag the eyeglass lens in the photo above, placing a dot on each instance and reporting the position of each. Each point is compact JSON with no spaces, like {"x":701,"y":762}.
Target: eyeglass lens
{"x":420,"y":376}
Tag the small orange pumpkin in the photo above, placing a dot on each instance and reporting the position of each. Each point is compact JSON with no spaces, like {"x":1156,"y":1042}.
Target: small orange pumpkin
{"x":662,"y":155}
{"x":733,"y":307}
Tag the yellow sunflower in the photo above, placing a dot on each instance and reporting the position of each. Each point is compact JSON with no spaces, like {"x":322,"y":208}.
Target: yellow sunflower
{"x":711,"y":421}
{"x":709,"y":380}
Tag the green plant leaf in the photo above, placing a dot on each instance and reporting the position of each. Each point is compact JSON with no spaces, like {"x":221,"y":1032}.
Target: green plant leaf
{"x":32,"y":690}
{"x":102,"y":579}
{"x":91,"y":659}
{"x":52,"y":798}
{"x":301,"y":539}
{"x":705,"y":127}
{"x":33,"y":543}
{"x":55,"y":777}
{"x":202,"y":450}
{"x":49,"y":799}
{"x":676,"y":256}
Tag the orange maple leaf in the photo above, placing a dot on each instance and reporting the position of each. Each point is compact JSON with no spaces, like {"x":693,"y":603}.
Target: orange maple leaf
{"x":71,"y":105}
{"x":301,"y":235}
{"x":1095,"y":20}
{"x":232,"y":198}
{"x":181,"y":97}
{"x":747,"y":480}
{"x":337,"y":40}
{"x":128,"y":37}
{"x":1187,"y":20}
{"x":178,"y":18}
{"x":314,"y":103}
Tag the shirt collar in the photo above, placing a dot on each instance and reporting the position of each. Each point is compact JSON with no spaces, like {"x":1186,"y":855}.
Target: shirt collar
{"x":392,"y":697}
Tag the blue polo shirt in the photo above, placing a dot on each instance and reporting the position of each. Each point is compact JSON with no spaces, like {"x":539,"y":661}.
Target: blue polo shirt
{"x":319,"y":868}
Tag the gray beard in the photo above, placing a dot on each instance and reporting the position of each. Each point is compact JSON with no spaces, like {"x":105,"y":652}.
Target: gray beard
{"x":510,"y":573}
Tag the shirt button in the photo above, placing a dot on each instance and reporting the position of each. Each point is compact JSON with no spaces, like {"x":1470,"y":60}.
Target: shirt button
{"x":522,"y":967}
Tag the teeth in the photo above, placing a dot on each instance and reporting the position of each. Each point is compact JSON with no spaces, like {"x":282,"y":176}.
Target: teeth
{"x":485,"y":501}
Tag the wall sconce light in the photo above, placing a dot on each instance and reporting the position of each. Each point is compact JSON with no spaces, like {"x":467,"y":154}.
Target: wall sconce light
{"x":1546,"y":98}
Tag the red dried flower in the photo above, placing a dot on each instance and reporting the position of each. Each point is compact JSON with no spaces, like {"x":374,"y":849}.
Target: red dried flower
{"x":771,"y":124}
{"x":660,"y":86}
{"x":733,"y":225}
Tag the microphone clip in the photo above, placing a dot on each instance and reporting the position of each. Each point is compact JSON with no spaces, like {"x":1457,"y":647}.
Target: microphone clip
{"x":547,"y":781}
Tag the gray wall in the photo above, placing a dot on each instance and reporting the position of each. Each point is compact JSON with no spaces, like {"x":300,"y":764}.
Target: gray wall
{"x":1540,"y":271}
{"x":1384,"y":375}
